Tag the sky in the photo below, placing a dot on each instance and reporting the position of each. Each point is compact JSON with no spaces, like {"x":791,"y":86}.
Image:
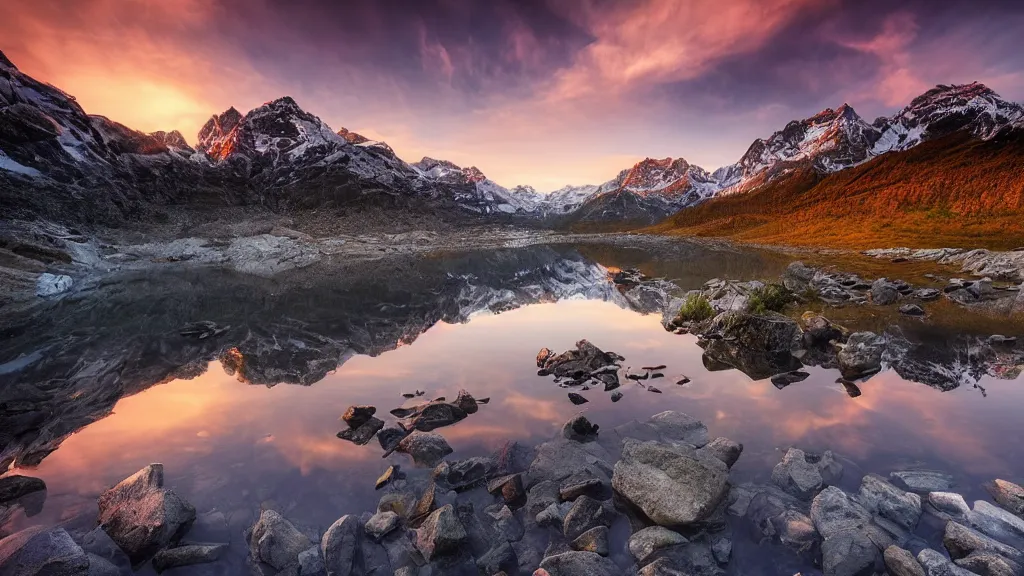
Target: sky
{"x":538,"y":92}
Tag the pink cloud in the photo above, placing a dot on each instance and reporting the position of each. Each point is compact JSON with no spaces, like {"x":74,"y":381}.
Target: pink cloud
{"x":897,"y":82}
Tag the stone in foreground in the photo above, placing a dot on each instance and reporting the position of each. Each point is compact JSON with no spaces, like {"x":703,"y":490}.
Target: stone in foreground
{"x":142,"y":517}
{"x":441,"y":533}
{"x":1008,"y":495}
{"x":275,"y":542}
{"x":40,"y":552}
{"x":900,"y":562}
{"x":672,"y":485}
{"x":339,"y":546}
{"x":187,"y":556}
{"x":578,"y":564}
{"x":650,"y":540}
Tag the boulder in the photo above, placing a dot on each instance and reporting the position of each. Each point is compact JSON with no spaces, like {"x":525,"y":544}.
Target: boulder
{"x":188,"y":555}
{"x":650,"y":540}
{"x":15,"y":487}
{"x":37,"y":551}
{"x":504,"y":523}
{"x":311,"y":563}
{"x":142,"y":517}
{"x":381,"y":524}
{"x":798,"y":276}
{"x":819,"y":332}
{"x":947,"y":506}
{"x":435,"y":415}
{"x":364,"y":433}
{"x":926,"y":294}
{"x":780,"y":381}
{"x":834,"y":512}
{"x":585,"y":359}
{"x":861,"y":356}
{"x":426,"y":448}
{"x":672,"y":485}
{"x":922,"y":481}
{"x":961,"y":541}
{"x":724,"y":449}
{"x":889,"y":502}
{"x":338,"y":546}
{"x":769,"y":332}
{"x":465,"y":474}
{"x":543,"y":355}
{"x":883,"y":292}
{"x":580,"y":429}
{"x":97,"y":544}
{"x":594,"y":540}
{"x":577,"y":399}
{"x":500,"y":559}
{"x":935,"y":564}
{"x":849,"y":553}
{"x":912,"y":310}
{"x":510,"y":487}
{"x":582,"y":484}
{"x":1007,"y":494}
{"x":989,"y":565}
{"x":900,"y":562}
{"x":559,"y":459}
{"x":996,"y":522}
{"x":441,"y":533}
{"x":275,"y":542}
{"x":797,"y":476}
{"x":466,"y":402}
{"x":390,"y":437}
{"x":356,"y":416}
{"x":674,"y":426}
{"x":586,"y":513}
{"x":578,"y":564}
{"x":389,"y":475}
{"x":52,"y":284}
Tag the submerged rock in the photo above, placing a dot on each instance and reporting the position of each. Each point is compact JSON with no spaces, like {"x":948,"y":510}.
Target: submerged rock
{"x":142,"y":517}
{"x":426,"y":448}
{"x":275,"y":542}
{"x":187,"y":555}
{"x":672,"y":485}
{"x":961,"y":541}
{"x":797,"y":475}
{"x":889,"y":502}
{"x":922,"y":481}
{"x":338,"y":546}
{"x":381,"y":524}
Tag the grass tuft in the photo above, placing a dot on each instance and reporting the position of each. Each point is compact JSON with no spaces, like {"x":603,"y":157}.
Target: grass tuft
{"x":770,"y":298}
{"x":696,"y":308}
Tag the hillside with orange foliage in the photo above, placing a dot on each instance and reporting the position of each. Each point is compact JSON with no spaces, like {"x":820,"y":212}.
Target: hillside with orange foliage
{"x":956,"y":191}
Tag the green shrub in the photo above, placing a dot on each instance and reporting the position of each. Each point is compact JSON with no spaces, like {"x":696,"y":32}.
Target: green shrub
{"x":770,"y":298}
{"x":696,"y":308}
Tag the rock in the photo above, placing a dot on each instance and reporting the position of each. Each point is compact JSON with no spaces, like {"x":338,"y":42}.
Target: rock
{"x":559,"y":459}
{"x":578,"y":564}
{"x":585,"y":513}
{"x":102,"y":567}
{"x":441,"y":533}
{"x":861,"y":356}
{"x":426,"y":448}
{"x":390,"y":437}
{"x":543,"y":355}
{"x":52,"y":284}
{"x":373,"y":558}
{"x":15,"y":487}
{"x":381,"y":524}
{"x":724,"y":449}
{"x":947,"y":506}
{"x":922,"y":481}
{"x":540,"y":496}
{"x":961,"y":541}
{"x":510,"y":488}
{"x":721,"y":548}
{"x":650,"y":540}
{"x":654,"y":390}
{"x":579,"y":362}
{"x":889,"y":502}
{"x":900,"y":562}
{"x":436,"y":415}
{"x":797,"y":476}
{"x":466,"y":402}
{"x":770,"y":332}
{"x":926,"y":294}
{"x":502,"y":558}
{"x":142,"y":517}
{"x":338,"y":545}
{"x":39,"y":552}
{"x":780,"y":381}
{"x":996,"y":522}
{"x":911,"y":310}
{"x":1008,"y":495}
{"x":672,"y":485}
{"x":388,"y":476}
{"x":553,"y":515}
{"x":187,"y":556}
{"x":577,"y":399}
{"x":505,"y":523}
{"x":275,"y":541}
{"x":989,"y":565}
{"x":935,"y":564}
{"x":834,"y":512}
{"x":798,"y":276}
{"x":848,"y":553}
{"x":97,"y":544}
{"x":364,"y":433}
{"x":580,"y":485}
{"x":465,"y":474}
{"x":616,"y":396}
{"x":883,"y":293}
{"x":594,"y":540}
{"x":311,"y":563}
{"x":356,"y":416}
{"x":580,"y":429}
{"x":675,"y":426}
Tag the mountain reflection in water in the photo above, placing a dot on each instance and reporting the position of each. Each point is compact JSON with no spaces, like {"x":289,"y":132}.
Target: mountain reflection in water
{"x":473,"y":321}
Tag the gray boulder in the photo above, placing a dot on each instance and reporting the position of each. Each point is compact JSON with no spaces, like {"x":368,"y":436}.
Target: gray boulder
{"x":672,"y":485}
{"x":426,"y":448}
{"x":989,"y":565}
{"x":594,"y":540}
{"x":441,"y":533}
{"x":961,"y":541}
{"x":15,"y":487}
{"x":363,"y":433}
{"x":889,"y":502}
{"x":586,"y":513}
{"x":935,"y":564}
{"x":578,"y":564}
{"x":1007,"y":494}
{"x":996,"y":522}
{"x":580,"y":429}
{"x":502,"y":558}
{"x":40,"y":552}
{"x":142,"y":517}
{"x":187,"y":555}
{"x":900,"y":562}
{"x":834,"y":512}
{"x":338,"y":546}
{"x":381,"y":524}
{"x":102,"y":567}
{"x":504,"y":523}
{"x":861,"y":356}
{"x":275,"y":542}
{"x":724,"y":449}
{"x":674,"y":426}
{"x":848,"y":553}
{"x":922,"y":481}
{"x":883,"y":292}
{"x":947,"y":506}
{"x":796,"y":475}
{"x":650,"y":540}
{"x":770,"y":332}
{"x":98,"y":544}
{"x":463,"y":475}
{"x":583,"y":484}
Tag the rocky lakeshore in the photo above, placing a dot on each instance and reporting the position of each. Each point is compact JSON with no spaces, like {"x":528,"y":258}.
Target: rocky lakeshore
{"x":653,"y":497}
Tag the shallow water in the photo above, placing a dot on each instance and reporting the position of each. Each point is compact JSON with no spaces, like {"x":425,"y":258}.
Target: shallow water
{"x":232,"y":438}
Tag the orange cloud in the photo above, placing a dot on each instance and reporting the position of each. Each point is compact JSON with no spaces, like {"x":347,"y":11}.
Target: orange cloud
{"x":897,"y":81}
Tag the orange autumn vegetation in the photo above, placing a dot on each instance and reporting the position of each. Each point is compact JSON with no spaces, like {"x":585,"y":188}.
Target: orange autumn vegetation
{"x":952,"y":192}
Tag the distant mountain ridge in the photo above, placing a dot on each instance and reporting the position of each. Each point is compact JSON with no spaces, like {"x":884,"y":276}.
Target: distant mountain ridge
{"x":58,"y":162}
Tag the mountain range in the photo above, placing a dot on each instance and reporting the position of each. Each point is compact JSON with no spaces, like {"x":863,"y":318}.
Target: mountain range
{"x":58,"y":162}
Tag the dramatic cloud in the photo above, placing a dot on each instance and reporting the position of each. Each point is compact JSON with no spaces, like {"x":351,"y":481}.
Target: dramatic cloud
{"x":542,"y":92}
